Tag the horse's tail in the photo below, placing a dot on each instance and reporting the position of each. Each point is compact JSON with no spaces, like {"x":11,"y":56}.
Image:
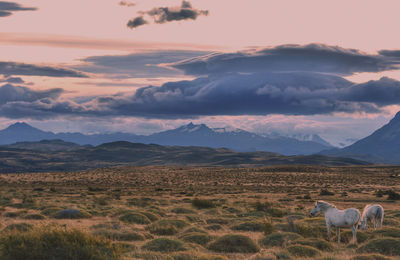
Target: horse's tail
{"x":379,"y":214}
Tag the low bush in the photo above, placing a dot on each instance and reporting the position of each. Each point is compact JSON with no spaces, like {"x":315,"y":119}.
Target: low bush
{"x":20,"y":227}
{"x":182,"y":211}
{"x":234,"y":244}
{"x":34,"y":216}
{"x":203,"y":203}
{"x":370,"y":257}
{"x":320,"y":244}
{"x":325,"y":192}
{"x":197,"y":238}
{"x":253,"y":226}
{"x":55,"y":243}
{"x":164,"y":245}
{"x":388,"y":232}
{"x":384,"y":246}
{"x":347,"y":236}
{"x":303,"y":251}
{"x":119,"y":235}
{"x":278,"y":239}
{"x":134,"y":218}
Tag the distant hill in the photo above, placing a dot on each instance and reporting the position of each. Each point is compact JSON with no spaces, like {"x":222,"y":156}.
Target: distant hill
{"x":187,"y":135}
{"x":35,"y":157}
{"x":382,"y":146}
{"x":47,"y":145}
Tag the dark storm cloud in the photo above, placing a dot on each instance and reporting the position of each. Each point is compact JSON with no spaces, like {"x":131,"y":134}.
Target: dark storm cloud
{"x":7,"y":8}
{"x":15,"y":68}
{"x":310,"y":58}
{"x":162,"y":15}
{"x":235,"y":94}
{"x":289,"y":80}
{"x":137,"y":65}
{"x":169,"y":14}
{"x":136,"y":22}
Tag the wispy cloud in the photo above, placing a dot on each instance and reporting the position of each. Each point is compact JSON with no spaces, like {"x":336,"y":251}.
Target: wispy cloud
{"x":312,"y":58}
{"x":16,"y":68}
{"x":8,"y":8}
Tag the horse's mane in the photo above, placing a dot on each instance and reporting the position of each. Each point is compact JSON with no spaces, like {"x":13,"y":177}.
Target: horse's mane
{"x":365,"y":211}
{"x":325,"y":205}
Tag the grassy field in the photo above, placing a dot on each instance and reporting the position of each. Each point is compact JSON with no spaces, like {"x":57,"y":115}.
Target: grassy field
{"x":194,"y":213}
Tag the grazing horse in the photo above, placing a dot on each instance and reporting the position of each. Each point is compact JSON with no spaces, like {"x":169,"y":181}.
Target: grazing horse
{"x":338,"y":218}
{"x":373,"y":212}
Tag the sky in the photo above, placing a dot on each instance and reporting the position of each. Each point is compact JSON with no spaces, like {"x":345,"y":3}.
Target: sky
{"x":313,"y":67}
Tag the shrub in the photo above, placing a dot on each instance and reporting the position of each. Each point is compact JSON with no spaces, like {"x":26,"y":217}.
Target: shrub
{"x":384,"y":246}
{"x":347,"y":236}
{"x":317,"y":243}
{"x":202,"y":203}
{"x":54,"y":243}
{"x":34,"y":216}
{"x":303,"y":251}
{"x":278,"y":239}
{"x":51,"y":211}
{"x":214,"y":227}
{"x":197,"y":238}
{"x":167,"y":227}
{"x":325,"y":192}
{"x":221,"y":221}
{"x":392,"y":195}
{"x":254,"y":226}
{"x":369,"y":257}
{"x":234,"y":244}
{"x":182,"y":211}
{"x":120,"y":236}
{"x":132,"y":217}
{"x":151,"y":216}
{"x":195,"y":230}
{"x":164,"y":245}
{"x":389,"y":232}
{"x":20,"y":227}
{"x":72,"y":214}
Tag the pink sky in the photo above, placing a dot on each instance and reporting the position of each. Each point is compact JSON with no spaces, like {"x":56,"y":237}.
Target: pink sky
{"x":62,"y":33}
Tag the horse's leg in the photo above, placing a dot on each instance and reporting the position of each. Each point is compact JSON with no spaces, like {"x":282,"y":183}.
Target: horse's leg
{"x":329,"y":230}
{"x":354,"y":230}
{"x":338,"y":234}
{"x":376,"y":222}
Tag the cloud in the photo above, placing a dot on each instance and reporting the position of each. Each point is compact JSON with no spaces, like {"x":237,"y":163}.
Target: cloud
{"x":136,"y":22}
{"x":137,"y":65}
{"x":15,"y":68}
{"x":285,"y":80}
{"x":15,"y":80}
{"x":290,"y":93}
{"x":11,"y":93}
{"x":310,"y":58}
{"x":161,"y":15}
{"x":7,"y":8}
{"x":126,"y":3}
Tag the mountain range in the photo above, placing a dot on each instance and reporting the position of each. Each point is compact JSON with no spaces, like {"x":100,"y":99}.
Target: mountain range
{"x":186,"y":135}
{"x":57,"y":155}
{"x":382,"y":146}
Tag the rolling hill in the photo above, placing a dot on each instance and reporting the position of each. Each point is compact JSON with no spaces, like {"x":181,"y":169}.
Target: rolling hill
{"x":34,"y":157}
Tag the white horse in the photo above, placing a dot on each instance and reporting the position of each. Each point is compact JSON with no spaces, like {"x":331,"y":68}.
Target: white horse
{"x":338,"y":218}
{"x":374,"y":213}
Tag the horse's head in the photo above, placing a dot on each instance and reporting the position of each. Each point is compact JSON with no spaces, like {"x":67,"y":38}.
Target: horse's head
{"x":316,"y":209}
{"x":363,"y":225}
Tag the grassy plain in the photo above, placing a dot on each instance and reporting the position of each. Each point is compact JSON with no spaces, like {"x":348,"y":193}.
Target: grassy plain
{"x":194,"y":213}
